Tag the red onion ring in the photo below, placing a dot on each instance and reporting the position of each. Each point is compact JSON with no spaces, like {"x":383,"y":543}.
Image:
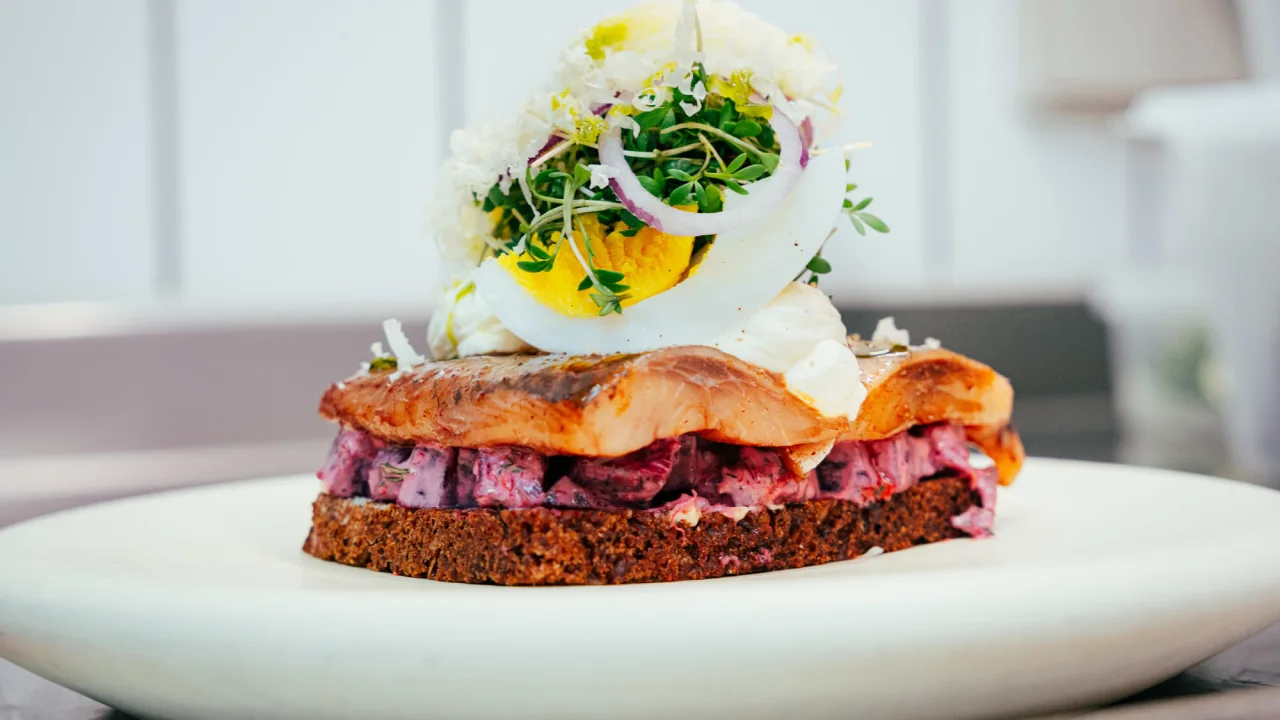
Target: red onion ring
{"x":762,"y":197}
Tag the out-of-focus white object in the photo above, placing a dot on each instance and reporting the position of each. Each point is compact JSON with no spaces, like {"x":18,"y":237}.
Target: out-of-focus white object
{"x":1101,"y":580}
{"x":1260,"y":26}
{"x":1094,"y":56}
{"x":1159,"y":358}
{"x":1203,"y":258}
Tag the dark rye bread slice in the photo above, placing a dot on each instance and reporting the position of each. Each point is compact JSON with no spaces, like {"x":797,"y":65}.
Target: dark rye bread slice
{"x":546,"y":546}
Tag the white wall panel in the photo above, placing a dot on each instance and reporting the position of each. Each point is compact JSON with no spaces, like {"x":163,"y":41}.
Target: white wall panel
{"x":309,"y":141}
{"x":511,"y":47}
{"x":76,"y":217}
{"x":1034,"y":201}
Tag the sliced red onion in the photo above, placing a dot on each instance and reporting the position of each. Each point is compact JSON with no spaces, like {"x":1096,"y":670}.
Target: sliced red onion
{"x":763,"y":195}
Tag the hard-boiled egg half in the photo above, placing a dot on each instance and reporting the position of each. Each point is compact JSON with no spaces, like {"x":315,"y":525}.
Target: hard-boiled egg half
{"x":743,"y":270}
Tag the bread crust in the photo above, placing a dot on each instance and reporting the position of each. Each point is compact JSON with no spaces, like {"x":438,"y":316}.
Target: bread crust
{"x":546,"y":546}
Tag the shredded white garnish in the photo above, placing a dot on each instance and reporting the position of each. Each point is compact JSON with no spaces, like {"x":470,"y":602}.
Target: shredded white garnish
{"x":888,"y":331}
{"x":401,"y":348}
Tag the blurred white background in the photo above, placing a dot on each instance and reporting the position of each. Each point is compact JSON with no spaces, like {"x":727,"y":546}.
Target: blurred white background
{"x":242,"y":153}
{"x":206,"y":207}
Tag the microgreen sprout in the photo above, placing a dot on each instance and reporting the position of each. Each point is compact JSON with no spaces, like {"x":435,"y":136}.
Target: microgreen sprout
{"x":689,"y":138}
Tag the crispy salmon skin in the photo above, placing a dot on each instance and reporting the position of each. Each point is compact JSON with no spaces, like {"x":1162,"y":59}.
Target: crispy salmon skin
{"x":606,"y":406}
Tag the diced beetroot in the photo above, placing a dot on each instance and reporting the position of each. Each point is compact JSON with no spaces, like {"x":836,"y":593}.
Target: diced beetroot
{"x":748,"y":481}
{"x":510,"y":477}
{"x":729,"y":479}
{"x":342,"y":470}
{"x":976,"y":521}
{"x":426,"y":478}
{"x":630,"y":480}
{"x":685,"y":467}
{"x":464,"y":494}
{"x":984,"y":481}
{"x":387,"y":472}
{"x":847,"y":474}
{"x":566,"y":493}
{"x":921,"y":461}
{"x":889,"y":459}
{"x":790,"y":490}
{"x":947,"y":445}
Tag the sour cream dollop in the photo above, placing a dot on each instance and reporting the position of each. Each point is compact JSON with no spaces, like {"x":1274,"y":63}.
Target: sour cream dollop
{"x":800,"y":335}
{"x":465,"y":325}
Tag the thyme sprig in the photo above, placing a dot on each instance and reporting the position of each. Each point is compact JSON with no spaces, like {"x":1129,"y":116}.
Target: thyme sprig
{"x":856,"y":210}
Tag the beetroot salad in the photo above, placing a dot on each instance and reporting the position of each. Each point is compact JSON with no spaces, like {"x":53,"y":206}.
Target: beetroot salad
{"x":685,"y":475}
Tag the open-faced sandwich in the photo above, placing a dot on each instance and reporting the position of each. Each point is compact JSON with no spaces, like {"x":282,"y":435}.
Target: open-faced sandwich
{"x":636,"y":377}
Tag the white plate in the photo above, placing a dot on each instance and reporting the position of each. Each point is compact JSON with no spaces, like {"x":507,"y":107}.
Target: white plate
{"x":198,"y":603}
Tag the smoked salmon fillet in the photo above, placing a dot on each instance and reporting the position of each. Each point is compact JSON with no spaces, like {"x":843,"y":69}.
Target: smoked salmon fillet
{"x":614,"y":405}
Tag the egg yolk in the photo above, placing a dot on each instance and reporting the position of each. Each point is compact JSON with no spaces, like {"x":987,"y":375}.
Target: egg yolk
{"x":650,"y":261}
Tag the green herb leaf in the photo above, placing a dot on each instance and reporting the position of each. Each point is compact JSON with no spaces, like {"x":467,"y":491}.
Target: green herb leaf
{"x":819,"y":266}
{"x":770,"y":161}
{"x":383,"y":364}
{"x":701,"y":194}
{"x":746,"y":128}
{"x":687,"y":166}
{"x":537,"y":252}
{"x":765,"y":138}
{"x":653,"y":186}
{"x":496,"y":197}
{"x":586,"y":283}
{"x":749,"y":173}
{"x":652,"y":117}
{"x":534,"y":267}
{"x":608,"y":276}
{"x":862,"y":204}
{"x":857,"y":225}
{"x":727,"y":112}
{"x":873,"y":222}
{"x":581,"y":175}
{"x":715,"y":200}
{"x":735,"y":186}
{"x":679,"y":174}
{"x":737,"y":164}
{"x":680,"y":196}
{"x":848,"y":204}
{"x":850,"y":187}
{"x":669,"y":119}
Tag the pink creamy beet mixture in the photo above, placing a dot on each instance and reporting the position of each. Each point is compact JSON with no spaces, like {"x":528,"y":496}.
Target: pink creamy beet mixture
{"x":675,"y":475}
